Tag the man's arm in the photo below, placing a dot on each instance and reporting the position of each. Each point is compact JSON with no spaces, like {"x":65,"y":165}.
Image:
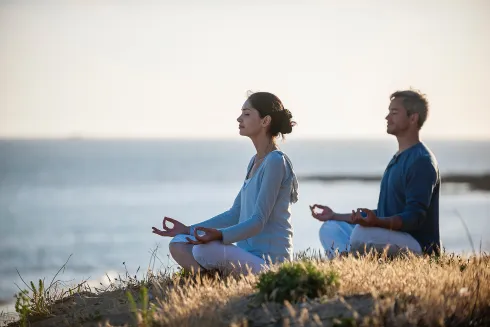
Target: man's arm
{"x":421,"y":180}
{"x":368,"y":218}
{"x":327,"y":214}
{"x":394,"y":222}
{"x":348,"y":217}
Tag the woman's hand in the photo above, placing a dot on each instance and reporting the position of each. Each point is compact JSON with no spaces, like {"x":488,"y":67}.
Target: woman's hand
{"x":176,"y":229}
{"x":210,"y":234}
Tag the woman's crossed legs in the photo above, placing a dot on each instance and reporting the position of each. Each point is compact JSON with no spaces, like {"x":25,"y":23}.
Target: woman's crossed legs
{"x":214,"y":255}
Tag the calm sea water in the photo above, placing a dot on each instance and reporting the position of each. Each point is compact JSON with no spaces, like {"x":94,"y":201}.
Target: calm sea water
{"x":97,"y":200}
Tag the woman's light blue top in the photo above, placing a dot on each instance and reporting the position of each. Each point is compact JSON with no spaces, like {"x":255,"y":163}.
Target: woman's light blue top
{"x":260,"y":219}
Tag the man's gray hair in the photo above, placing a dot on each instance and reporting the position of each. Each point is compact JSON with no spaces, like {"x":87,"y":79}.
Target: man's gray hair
{"x":414,"y":103}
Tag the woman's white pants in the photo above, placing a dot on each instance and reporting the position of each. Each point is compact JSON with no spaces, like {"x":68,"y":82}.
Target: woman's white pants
{"x":230,"y":258}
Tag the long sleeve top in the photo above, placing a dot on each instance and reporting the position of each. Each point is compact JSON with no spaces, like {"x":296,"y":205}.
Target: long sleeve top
{"x":259,"y":220}
{"x":410,"y":189}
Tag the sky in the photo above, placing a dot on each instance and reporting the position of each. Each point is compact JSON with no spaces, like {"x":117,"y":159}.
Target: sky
{"x":182,"y":69}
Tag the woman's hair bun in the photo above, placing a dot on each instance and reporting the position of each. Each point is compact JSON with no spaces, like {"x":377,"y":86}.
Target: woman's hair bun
{"x":287,"y":124}
{"x":268,"y":104}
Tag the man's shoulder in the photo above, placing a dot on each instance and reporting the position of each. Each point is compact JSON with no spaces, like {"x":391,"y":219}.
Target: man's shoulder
{"x":423,"y":154}
{"x":423,"y":158}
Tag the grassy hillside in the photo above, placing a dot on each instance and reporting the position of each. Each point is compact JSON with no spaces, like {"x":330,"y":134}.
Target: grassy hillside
{"x":371,"y":290}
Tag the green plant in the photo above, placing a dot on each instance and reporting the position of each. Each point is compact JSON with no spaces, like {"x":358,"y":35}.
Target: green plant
{"x":37,"y":301}
{"x":22,"y":307}
{"x":294,"y":281}
{"x":144,"y":315}
{"x":31,"y":304}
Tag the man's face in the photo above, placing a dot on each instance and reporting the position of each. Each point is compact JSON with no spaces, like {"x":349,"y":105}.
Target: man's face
{"x":398,"y":121}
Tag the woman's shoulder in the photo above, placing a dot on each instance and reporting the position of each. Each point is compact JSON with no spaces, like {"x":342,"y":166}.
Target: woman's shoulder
{"x":278,"y":157}
{"x":274,"y":158}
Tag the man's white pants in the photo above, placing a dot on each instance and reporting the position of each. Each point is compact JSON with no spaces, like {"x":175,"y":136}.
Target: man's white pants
{"x":339,"y":236}
{"x":230,"y":258}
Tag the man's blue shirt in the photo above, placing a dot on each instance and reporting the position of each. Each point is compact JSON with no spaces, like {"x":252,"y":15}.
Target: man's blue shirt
{"x":410,"y":189}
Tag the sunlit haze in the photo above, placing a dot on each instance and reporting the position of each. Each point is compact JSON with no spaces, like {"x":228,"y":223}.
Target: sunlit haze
{"x":182,"y":69}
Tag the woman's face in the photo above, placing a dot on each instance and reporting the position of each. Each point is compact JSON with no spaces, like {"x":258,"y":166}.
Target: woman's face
{"x":250,"y":123}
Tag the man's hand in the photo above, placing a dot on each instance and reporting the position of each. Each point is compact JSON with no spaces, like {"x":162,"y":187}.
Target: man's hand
{"x":210,"y":234}
{"x":371,"y":220}
{"x":176,"y":229}
{"x":325,"y":214}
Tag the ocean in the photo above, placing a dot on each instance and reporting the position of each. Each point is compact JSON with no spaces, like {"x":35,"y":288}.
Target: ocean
{"x":96,"y":200}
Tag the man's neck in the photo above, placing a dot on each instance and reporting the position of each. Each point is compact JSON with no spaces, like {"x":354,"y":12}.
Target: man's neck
{"x":407,"y":141}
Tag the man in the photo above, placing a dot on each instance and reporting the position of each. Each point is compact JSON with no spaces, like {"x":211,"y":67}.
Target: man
{"x":407,"y":216}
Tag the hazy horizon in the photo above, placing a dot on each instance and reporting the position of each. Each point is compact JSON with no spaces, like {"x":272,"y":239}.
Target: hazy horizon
{"x":181,"y":70}
{"x":370,"y":138}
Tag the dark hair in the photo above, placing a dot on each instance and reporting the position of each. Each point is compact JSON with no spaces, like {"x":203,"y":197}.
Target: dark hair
{"x":414,"y":102}
{"x":267,"y":104}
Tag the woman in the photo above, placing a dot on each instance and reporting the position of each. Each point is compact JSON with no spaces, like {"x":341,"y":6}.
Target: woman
{"x":259,"y":222}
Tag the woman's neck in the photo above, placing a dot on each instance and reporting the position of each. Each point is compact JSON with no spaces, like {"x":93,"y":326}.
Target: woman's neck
{"x":263,"y":145}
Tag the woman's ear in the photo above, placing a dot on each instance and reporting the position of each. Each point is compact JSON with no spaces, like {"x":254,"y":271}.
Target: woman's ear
{"x":266,"y":121}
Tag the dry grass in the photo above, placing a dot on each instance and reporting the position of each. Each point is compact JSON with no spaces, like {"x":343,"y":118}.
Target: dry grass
{"x":7,"y":318}
{"x":374,"y":291}
{"x":410,"y":290}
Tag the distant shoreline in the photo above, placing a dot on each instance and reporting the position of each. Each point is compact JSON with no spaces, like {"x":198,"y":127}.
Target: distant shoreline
{"x":480,"y":182}
{"x":235,"y":138}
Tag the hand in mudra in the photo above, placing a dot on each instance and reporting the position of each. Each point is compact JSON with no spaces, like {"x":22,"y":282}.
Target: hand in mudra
{"x":210,"y":234}
{"x":176,"y":229}
{"x":371,"y":220}
{"x":325,"y":214}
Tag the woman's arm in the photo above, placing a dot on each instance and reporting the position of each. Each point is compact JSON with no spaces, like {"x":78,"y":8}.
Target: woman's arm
{"x":225,"y":219}
{"x":274,"y":172}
